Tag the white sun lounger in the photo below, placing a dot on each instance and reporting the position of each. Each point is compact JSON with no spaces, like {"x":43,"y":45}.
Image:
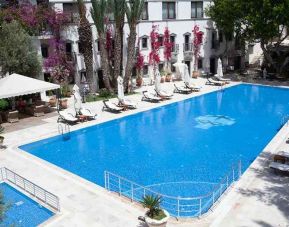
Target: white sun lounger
{"x":87,"y":113}
{"x":163,"y":94}
{"x":211,"y":81}
{"x":127,"y":103}
{"x":182,"y":90}
{"x":279,"y":166}
{"x":67,"y":117}
{"x":192,"y":87}
{"x":111,"y":107}
{"x":147,"y":96}
{"x":221,"y":78}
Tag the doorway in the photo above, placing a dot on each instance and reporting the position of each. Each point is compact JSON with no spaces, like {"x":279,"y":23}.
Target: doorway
{"x":188,"y":63}
{"x":213,"y":66}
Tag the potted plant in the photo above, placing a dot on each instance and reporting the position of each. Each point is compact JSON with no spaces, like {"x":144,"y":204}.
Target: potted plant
{"x":52,"y":101}
{"x":63,"y":103}
{"x":168,"y":77}
{"x":163,"y":77}
{"x":3,"y":109}
{"x":155,"y":216}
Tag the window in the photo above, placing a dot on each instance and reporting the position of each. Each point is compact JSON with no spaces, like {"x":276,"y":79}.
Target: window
{"x":144,"y":42}
{"x":197,"y":10}
{"x":80,"y":49}
{"x":169,"y":10}
{"x":145,"y":70}
{"x":68,"y":48}
{"x":71,"y":10}
{"x":161,"y":67}
{"x":44,"y":50}
{"x":161,"y":40}
{"x":187,"y":44}
{"x":220,"y":36}
{"x":200,"y":63}
{"x":145,"y":12}
{"x":173,"y":39}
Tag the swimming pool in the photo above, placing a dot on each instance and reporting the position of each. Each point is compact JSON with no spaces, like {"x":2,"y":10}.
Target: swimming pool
{"x":181,"y":149}
{"x":22,"y":211}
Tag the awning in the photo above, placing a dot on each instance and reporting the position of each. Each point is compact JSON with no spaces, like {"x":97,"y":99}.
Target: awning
{"x":17,"y":85}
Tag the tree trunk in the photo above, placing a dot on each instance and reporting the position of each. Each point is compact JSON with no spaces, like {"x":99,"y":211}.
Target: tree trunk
{"x":85,"y":37}
{"x":267,"y":55}
{"x":130,"y":57}
{"x":104,"y":62}
{"x":117,"y":55}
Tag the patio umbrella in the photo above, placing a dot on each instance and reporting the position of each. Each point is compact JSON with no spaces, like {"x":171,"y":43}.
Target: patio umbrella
{"x":186,"y":74}
{"x":77,"y":97}
{"x":120,"y":91}
{"x":151,"y":74}
{"x":158,"y":80}
{"x":220,"y":68}
{"x":180,"y":67}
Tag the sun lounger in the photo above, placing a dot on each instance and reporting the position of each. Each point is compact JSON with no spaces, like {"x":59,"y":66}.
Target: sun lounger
{"x":111,"y":107}
{"x":67,"y":117}
{"x":192,"y":87}
{"x":182,"y":90}
{"x":163,"y":94}
{"x":222,"y":79}
{"x":211,"y":81}
{"x":150,"y":97}
{"x":280,"y":167}
{"x":126,"y":103}
{"x":87,"y":113}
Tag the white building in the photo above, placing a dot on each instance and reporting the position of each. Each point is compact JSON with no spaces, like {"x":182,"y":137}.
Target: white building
{"x":180,"y":16}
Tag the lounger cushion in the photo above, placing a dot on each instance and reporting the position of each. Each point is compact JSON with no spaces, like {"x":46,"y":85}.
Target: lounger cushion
{"x":279,"y":166}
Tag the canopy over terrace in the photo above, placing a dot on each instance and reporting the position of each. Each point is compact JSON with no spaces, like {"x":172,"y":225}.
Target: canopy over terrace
{"x":17,"y":85}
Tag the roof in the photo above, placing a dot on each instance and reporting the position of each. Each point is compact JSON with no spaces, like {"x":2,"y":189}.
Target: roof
{"x":17,"y":85}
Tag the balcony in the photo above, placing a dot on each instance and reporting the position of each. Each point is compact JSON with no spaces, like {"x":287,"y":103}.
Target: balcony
{"x":188,"y":51}
{"x":73,"y":17}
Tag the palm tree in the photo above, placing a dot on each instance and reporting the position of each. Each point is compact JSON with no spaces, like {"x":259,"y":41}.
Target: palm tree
{"x":85,"y":40}
{"x":118,"y":10}
{"x":99,"y":12}
{"x":133,"y":11}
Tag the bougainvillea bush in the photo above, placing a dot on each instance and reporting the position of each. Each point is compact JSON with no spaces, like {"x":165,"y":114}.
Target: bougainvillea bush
{"x":168,"y":45}
{"x":154,"y":57}
{"x":197,"y":43}
{"x":139,"y":64}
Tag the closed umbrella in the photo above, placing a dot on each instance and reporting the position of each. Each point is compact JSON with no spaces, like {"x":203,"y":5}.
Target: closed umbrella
{"x":158,"y":81}
{"x":220,"y":68}
{"x":77,"y":97}
{"x":186,"y":74}
{"x":180,"y":69}
{"x":120,"y":90}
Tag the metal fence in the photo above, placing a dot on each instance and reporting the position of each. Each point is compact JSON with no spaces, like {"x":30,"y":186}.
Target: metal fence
{"x":176,"y":206}
{"x":36,"y":191}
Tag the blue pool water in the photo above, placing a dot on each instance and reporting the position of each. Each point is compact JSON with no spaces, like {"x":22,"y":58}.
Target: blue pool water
{"x":22,"y":211}
{"x":194,"y":141}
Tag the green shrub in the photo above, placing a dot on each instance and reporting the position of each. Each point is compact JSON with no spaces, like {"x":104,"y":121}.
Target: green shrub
{"x":3,"y":104}
{"x":153,"y":204}
{"x":104,"y":93}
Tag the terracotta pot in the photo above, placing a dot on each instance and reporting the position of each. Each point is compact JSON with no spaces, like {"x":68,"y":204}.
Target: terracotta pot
{"x":168,"y":78}
{"x":158,"y":223}
{"x":139,"y":81}
{"x":195,"y":74}
{"x":63,"y":104}
{"x":52,"y":102}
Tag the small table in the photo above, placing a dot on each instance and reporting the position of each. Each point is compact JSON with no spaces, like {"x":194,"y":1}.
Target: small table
{"x":82,"y":118}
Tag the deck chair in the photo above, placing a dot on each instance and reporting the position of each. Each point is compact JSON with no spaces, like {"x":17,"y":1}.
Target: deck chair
{"x":67,"y":117}
{"x":192,"y":87}
{"x":219,"y":78}
{"x":163,"y":94}
{"x":279,"y":167}
{"x":211,"y":81}
{"x":150,"y":97}
{"x":182,"y":90}
{"x":87,"y":113}
{"x":111,"y":107}
{"x":126,"y":103}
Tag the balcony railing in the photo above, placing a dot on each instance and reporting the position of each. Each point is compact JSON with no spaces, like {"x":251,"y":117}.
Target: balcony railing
{"x":187,"y":47}
{"x":175,"y":48}
{"x":73,"y":17}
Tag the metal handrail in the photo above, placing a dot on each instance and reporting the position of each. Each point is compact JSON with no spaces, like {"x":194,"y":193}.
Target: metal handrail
{"x":38,"y":192}
{"x":128,"y":188}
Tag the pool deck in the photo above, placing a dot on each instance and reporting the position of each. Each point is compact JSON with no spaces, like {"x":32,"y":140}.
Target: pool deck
{"x":259,"y":198}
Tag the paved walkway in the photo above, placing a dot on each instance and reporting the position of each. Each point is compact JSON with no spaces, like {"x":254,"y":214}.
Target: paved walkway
{"x":260,"y":198}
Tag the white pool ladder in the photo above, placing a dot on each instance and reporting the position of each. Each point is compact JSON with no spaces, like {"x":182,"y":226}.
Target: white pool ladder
{"x":64,"y":130}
